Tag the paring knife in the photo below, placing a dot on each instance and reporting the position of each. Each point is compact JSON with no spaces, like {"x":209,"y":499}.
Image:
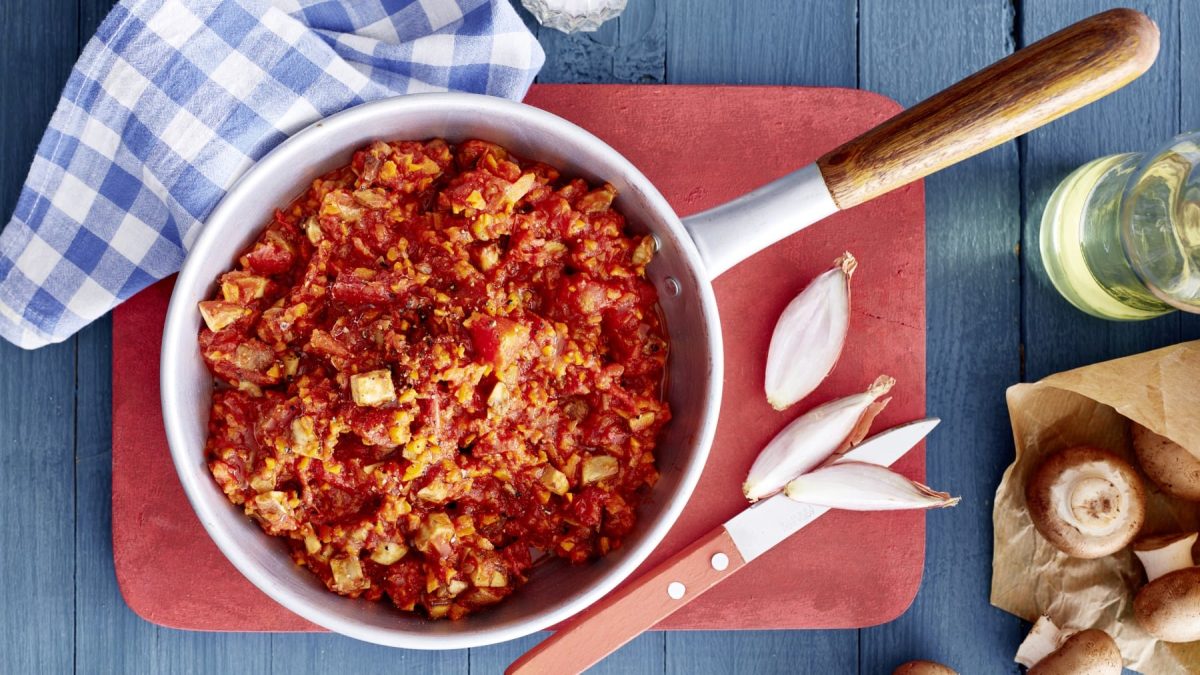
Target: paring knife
{"x":636,"y":607}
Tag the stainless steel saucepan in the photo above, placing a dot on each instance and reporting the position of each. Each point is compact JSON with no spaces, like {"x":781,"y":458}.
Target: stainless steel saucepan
{"x":1025,"y":90}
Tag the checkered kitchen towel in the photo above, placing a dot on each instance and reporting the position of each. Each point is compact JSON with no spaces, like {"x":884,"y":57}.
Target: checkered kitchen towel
{"x":172,"y":100}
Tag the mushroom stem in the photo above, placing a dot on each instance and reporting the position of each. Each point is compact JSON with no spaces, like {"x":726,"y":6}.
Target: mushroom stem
{"x":1041,"y":642}
{"x":1161,"y":555}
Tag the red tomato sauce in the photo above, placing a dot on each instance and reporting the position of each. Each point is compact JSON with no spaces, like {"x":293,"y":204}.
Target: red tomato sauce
{"x":435,"y":364}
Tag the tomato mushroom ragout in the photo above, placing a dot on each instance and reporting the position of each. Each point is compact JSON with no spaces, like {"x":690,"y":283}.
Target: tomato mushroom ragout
{"x":434,"y":361}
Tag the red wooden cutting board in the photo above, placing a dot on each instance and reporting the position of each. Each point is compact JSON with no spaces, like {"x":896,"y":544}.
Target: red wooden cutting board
{"x":701,"y":146}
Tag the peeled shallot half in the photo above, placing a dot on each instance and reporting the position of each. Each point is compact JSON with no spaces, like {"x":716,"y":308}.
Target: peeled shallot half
{"x":809,"y":336}
{"x":859,"y":486}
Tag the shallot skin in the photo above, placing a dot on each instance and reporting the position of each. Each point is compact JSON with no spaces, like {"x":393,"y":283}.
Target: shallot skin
{"x":810,"y":440}
{"x":809,"y":336}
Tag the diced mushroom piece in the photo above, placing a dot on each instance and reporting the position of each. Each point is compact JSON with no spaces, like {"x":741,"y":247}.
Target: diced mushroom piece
{"x":242,"y":287}
{"x":435,"y":534}
{"x":388,"y":552}
{"x":596,"y":469}
{"x":275,"y":512}
{"x":304,"y":437}
{"x":348,"y":574}
{"x":489,"y":572}
{"x":218,"y":314}
{"x":554,"y":480}
{"x":372,"y":389}
{"x":644,"y":251}
{"x":436,"y":491}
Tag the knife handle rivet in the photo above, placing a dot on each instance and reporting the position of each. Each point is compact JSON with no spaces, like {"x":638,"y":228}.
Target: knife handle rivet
{"x":720,"y":562}
{"x":676,"y":590}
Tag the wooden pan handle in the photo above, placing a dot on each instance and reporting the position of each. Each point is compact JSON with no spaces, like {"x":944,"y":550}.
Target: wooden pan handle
{"x":633,"y":608}
{"x":1042,"y":82}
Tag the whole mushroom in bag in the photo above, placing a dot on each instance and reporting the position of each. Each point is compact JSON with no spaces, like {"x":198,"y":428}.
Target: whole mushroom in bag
{"x":1050,"y":650}
{"x":1168,"y":606}
{"x":1087,"y":502}
{"x":1172,"y":467}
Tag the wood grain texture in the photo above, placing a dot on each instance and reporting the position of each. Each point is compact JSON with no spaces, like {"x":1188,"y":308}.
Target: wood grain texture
{"x":973,"y":303}
{"x":1031,"y":87}
{"x":972,"y":212}
{"x":37,"y":389}
{"x":763,"y":42}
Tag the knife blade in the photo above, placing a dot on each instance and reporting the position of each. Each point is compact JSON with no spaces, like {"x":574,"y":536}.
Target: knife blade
{"x":760,"y":527}
{"x":637,"y":606}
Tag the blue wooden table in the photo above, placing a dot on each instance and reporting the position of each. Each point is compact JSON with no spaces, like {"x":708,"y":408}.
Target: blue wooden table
{"x":993,"y":321}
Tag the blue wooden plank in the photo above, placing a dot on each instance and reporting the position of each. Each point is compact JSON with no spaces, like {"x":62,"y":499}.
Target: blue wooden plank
{"x":645,"y":654}
{"x":831,"y":652}
{"x":1139,"y":117}
{"x":37,"y":389}
{"x":765,"y":42}
{"x":909,"y":51}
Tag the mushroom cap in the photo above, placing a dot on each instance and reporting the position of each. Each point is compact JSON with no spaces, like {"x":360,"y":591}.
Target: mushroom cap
{"x":1172,"y":467}
{"x":1169,"y":607}
{"x":1092,"y":484}
{"x":923,"y":668}
{"x":1088,"y":652}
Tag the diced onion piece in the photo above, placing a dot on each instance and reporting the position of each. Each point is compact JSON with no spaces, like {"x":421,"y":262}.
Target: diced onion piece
{"x":596,"y":469}
{"x":457,"y":586}
{"x":218,"y":314}
{"x":373,"y":388}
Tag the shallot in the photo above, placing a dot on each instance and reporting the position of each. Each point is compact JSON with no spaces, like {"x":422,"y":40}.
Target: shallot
{"x":809,"y":336}
{"x":859,"y":486}
{"x":811,"y":438}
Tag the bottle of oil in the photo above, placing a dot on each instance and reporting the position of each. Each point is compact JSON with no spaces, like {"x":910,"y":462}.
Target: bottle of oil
{"x":1120,"y":236}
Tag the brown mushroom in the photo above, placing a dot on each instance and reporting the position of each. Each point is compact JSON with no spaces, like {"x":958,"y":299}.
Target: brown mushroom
{"x":1172,"y":467}
{"x":923,"y":668}
{"x":1168,"y":606}
{"x":1087,"y":502}
{"x":1049,"y":650}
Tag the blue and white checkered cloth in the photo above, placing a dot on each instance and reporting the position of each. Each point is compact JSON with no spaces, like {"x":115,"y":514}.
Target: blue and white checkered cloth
{"x":172,"y":100}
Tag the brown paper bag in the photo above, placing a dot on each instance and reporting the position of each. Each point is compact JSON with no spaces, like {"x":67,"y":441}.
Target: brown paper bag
{"x":1090,"y":406}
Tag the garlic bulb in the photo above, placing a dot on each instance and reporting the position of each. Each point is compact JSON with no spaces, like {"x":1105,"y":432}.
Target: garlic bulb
{"x":809,"y":336}
{"x":858,"y":486}
{"x":810,"y":439}
{"x":570,"y":16}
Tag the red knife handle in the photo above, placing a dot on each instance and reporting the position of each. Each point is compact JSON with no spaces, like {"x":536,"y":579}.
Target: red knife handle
{"x":636,"y":607}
